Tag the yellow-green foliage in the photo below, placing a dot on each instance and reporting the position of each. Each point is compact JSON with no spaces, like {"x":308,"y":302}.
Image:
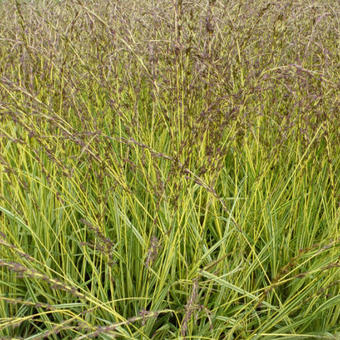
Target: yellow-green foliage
{"x":169,"y":169}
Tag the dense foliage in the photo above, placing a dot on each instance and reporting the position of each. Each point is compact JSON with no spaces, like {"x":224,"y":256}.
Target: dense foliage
{"x":169,"y":169}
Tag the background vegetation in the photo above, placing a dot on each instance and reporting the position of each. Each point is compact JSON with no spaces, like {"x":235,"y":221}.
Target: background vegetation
{"x":169,"y":169}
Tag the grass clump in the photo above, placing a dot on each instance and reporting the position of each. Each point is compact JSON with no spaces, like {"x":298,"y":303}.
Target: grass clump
{"x":169,"y":170}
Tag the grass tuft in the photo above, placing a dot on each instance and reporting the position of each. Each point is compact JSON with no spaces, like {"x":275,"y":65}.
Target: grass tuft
{"x":169,"y":170}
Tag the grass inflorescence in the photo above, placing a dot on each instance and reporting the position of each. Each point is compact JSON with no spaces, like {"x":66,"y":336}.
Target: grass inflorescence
{"x":169,"y":169}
